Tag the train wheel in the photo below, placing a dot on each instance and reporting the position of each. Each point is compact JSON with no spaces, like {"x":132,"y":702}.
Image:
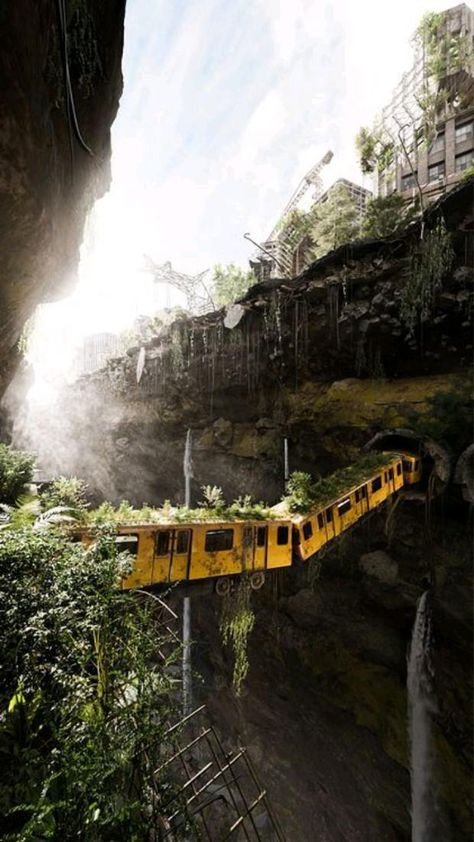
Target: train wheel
{"x":222,"y":586}
{"x":257,"y":579}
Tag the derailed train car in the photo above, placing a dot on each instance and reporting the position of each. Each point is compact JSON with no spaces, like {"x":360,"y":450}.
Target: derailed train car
{"x":220,"y":550}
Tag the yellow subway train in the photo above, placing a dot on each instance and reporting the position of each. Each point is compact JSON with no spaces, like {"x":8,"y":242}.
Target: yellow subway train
{"x":219,"y":550}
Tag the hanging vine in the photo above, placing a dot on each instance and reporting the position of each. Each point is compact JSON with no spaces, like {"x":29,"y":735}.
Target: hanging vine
{"x":236,"y":624}
{"x":430,"y":260}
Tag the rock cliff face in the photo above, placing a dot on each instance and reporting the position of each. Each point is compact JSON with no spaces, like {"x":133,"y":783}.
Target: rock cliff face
{"x":48,"y":179}
{"x":328,"y":363}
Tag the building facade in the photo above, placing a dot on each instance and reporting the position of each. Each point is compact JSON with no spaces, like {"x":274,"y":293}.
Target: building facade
{"x":444,"y":79}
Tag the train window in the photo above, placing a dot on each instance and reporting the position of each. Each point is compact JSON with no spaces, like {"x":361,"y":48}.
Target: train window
{"x":376,"y":483}
{"x":344,"y":506}
{"x":407,"y":466}
{"x":328,"y":515}
{"x":385,"y":476}
{"x":399,"y":469}
{"x":261,"y":536}
{"x":361,"y":493}
{"x":182,"y":541}
{"x":307,"y":530}
{"x":162,"y":544}
{"x":320,"y":521}
{"x":390,"y":473}
{"x":219,"y":540}
{"x":127,"y":544}
{"x":282,"y":535}
{"x":417,"y":464}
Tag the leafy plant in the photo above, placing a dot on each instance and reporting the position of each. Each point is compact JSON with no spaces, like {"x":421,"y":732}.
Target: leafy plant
{"x":236,"y":624}
{"x":213,"y":497}
{"x":448,"y":418}
{"x":16,"y":471}
{"x":386,"y":215}
{"x":85,"y":700}
{"x":431,"y":259}
{"x":69,"y":492}
{"x":230,"y":283}
{"x":335,"y":221}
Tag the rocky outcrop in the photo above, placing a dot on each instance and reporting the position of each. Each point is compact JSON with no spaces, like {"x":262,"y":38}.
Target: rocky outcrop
{"x":48,"y":179}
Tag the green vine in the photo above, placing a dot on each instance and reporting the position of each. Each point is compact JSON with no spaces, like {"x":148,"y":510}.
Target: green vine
{"x":431,"y":259}
{"x":237,"y":622}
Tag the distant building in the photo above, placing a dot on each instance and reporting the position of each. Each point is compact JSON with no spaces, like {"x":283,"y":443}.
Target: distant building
{"x":95,"y":351}
{"x":441,"y":165}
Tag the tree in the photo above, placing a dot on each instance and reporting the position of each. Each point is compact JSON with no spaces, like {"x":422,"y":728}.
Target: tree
{"x":230,"y":283}
{"x":386,"y":215}
{"x":335,"y":221}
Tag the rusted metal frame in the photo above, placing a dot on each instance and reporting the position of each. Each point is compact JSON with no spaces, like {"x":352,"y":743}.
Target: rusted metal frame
{"x":236,"y":781}
{"x":241,"y":819}
{"x":225,"y":769}
{"x":275,"y":823}
{"x":192,"y":780}
{"x":181,"y":750}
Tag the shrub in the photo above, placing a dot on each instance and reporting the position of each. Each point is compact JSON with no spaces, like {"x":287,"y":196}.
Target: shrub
{"x":84,"y":696}
{"x":16,"y":470}
{"x":66,"y":491}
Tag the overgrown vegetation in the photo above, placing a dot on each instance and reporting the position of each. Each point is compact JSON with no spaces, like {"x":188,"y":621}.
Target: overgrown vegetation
{"x":448,"y":418}
{"x":212,"y":508}
{"x":69,"y":492}
{"x":236,"y":624}
{"x":85,"y":698}
{"x":431,"y":259}
{"x":386,"y":215}
{"x":334,"y":222}
{"x":304,"y":493}
{"x":16,"y":471}
{"x":229,"y":283}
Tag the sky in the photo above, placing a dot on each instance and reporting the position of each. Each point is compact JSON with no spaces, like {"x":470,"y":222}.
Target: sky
{"x":226,"y":105}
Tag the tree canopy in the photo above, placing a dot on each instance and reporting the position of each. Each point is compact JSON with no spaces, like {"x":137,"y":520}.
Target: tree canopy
{"x":230,"y":283}
{"x":335,"y":221}
{"x":386,"y":215}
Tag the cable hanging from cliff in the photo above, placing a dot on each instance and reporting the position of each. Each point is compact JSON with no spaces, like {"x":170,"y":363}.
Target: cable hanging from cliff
{"x":70,"y":105}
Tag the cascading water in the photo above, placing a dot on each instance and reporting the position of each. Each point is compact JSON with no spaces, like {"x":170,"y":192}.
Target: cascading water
{"x":187,"y":673}
{"x":420,"y":705}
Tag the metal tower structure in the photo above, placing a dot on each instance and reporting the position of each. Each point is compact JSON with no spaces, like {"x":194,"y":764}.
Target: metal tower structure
{"x":277,"y":248}
{"x":198,"y":297}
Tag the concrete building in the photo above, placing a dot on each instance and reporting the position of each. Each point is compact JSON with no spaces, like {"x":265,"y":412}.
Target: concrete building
{"x":95,"y":351}
{"x":439,"y":165}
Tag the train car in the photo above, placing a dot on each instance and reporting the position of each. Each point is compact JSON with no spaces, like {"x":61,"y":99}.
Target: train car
{"x":323,"y":524}
{"x":167,"y":553}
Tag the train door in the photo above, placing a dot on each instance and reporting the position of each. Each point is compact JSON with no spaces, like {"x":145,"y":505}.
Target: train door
{"x":261,"y":547}
{"x":172,"y":555}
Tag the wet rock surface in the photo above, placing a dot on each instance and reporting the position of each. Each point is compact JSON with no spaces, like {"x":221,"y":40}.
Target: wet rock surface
{"x":48,"y":181}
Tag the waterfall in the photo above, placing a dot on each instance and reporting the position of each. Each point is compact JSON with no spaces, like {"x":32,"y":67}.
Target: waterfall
{"x":187,"y":671}
{"x":420,"y":705}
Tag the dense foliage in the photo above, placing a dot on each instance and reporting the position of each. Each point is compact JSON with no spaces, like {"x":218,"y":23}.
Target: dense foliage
{"x":84,"y":697}
{"x":66,"y":491}
{"x":448,"y":418}
{"x":229,"y":283}
{"x":16,"y":470}
{"x":386,"y":215}
{"x":236,"y":624}
{"x":335,"y":221}
{"x":431,"y":259}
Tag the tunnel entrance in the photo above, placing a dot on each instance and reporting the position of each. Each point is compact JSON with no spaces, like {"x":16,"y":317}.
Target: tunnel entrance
{"x":436,"y":459}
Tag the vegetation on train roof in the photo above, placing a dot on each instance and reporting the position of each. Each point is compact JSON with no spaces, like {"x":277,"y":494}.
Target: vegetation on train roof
{"x":213,"y":508}
{"x":304,"y":493}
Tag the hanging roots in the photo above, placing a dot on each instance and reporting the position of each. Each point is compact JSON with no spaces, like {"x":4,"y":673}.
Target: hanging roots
{"x":237,"y":622}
